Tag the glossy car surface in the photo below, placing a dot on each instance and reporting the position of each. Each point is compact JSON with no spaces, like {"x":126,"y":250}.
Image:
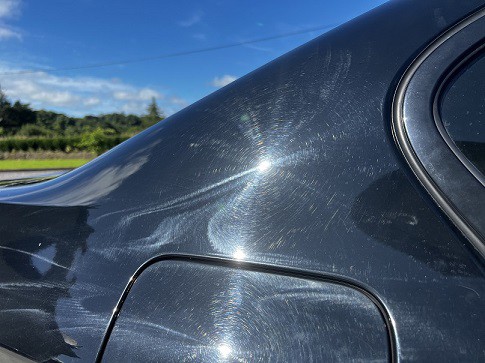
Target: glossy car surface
{"x":291,"y":205}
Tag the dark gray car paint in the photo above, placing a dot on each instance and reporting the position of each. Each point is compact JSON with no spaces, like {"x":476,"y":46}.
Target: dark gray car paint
{"x":238,"y":318}
{"x":292,"y":165}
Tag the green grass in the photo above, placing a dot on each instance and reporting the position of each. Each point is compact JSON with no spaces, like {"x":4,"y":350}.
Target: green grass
{"x":33,"y":164}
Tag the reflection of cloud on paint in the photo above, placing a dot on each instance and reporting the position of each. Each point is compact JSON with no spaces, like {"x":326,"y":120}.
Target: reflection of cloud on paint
{"x":105,"y":182}
{"x":171,"y":230}
{"x":91,"y":189}
{"x":101,"y":184}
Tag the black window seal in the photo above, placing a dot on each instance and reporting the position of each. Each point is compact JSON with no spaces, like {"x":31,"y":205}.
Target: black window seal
{"x":437,"y":112}
{"x":405,"y":145}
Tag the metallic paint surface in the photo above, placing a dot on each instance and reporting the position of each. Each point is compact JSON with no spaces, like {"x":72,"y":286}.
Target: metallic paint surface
{"x":243,"y":316}
{"x":291,"y":165}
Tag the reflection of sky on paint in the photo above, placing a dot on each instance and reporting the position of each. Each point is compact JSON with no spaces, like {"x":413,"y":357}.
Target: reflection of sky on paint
{"x":102,"y":183}
{"x":99,"y":185}
{"x":43,"y":263}
{"x":93,"y":187}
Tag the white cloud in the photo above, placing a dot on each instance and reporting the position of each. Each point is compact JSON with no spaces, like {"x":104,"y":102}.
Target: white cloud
{"x":192,"y":20}
{"x":92,"y":101}
{"x":79,"y":96}
{"x":200,"y":36}
{"x":122,"y":95}
{"x":9,"y":8}
{"x":56,"y":98}
{"x":133,"y":107}
{"x":30,"y":90}
{"x":144,"y":94}
{"x":178,"y":101}
{"x":7,"y":33}
{"x":223,"y":81}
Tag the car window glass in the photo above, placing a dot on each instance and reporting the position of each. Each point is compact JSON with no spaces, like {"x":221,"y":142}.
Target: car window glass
{"x":463,"y":111}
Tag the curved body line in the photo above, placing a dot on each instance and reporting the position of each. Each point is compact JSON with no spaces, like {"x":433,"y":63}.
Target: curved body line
{"x":258,"y":267}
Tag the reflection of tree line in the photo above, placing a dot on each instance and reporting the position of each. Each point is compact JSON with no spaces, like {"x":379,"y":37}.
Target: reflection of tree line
{"x":29,"y":295}
{"x":391,"y":211}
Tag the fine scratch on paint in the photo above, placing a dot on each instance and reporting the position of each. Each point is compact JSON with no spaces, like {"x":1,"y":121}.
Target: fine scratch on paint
{"x":170,"y":204}
{"x":137,"y":321}
{"x":331,"y":218}
{"x":35,"y":256}
{"x":469,"y":288}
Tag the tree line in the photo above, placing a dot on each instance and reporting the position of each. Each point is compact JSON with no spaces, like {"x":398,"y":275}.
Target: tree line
{"x":23,"y":128}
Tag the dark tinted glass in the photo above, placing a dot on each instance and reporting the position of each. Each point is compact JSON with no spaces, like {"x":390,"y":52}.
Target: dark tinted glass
{"x":463,"y":111}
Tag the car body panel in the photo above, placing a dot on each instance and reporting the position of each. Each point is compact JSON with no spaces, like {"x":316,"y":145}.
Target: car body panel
{"x":222,"y":312}
{"x":293,"y":165}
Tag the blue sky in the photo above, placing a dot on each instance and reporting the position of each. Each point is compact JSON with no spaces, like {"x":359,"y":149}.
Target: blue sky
{"x":40,"y":36}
